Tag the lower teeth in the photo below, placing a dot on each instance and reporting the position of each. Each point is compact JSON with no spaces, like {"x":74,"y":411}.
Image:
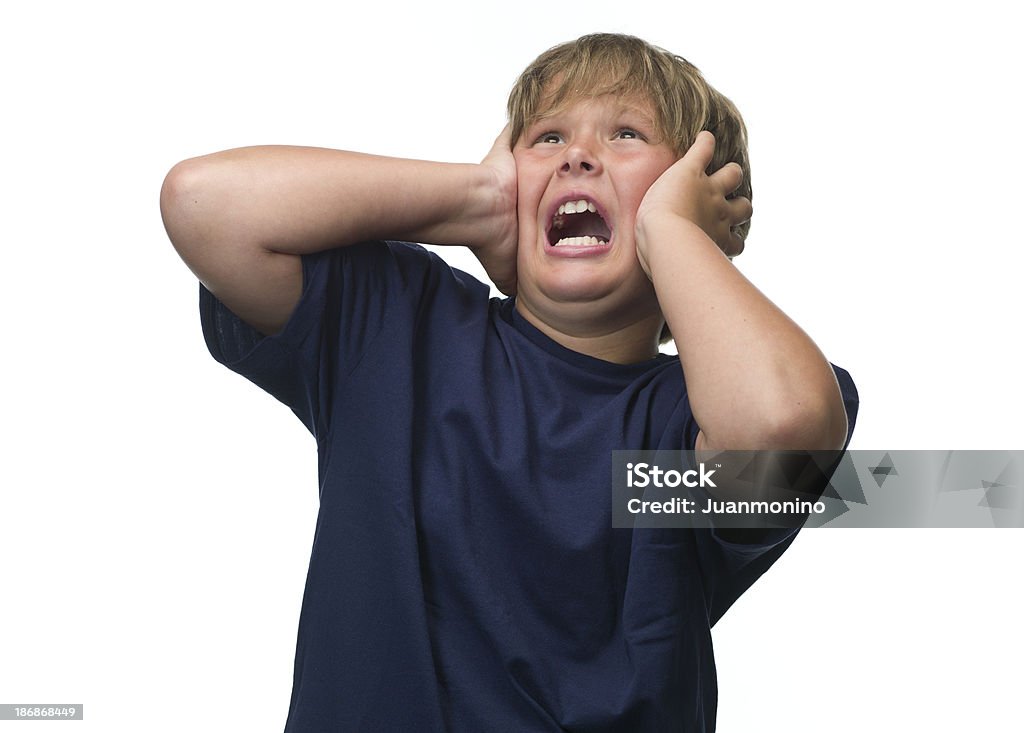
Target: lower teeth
{"x":581,"y":241}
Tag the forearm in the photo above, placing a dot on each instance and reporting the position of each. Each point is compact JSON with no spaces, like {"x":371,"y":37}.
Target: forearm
{"x":296,"y":200}
{"x":755,"y":380}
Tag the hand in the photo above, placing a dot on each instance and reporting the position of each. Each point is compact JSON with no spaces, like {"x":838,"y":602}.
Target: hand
{"x":686,"y":191}
{"x":498,"y":253}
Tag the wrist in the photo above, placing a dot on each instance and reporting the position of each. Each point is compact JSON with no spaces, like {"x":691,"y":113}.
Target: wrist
{"x":497,"y":195}
{"x":455,"y":204}
{"x":649,"y":225}
{"x":664,"y":231}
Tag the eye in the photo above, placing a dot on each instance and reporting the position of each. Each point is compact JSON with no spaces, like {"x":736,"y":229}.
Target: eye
{"x":628,"y":133}
{"x":549,"y":137}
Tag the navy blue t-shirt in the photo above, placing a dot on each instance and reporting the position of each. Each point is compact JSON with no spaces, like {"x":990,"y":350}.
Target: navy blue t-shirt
{"x":465,"y":575}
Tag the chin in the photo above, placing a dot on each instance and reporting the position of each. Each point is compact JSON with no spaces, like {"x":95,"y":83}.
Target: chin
{"x":606,"y":295}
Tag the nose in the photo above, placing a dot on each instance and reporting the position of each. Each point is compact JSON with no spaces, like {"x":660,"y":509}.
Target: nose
{"x":580,"y":158}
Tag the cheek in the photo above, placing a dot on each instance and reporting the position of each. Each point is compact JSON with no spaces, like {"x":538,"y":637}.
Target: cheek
{"x":641,"y":177}
{"x":644,"y":184}
{"x":529,"y":194}
{"x":633,"y":199}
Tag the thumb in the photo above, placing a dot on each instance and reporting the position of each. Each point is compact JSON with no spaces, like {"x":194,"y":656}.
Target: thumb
{"x":502,"y":143}
{"x":702,"y":150}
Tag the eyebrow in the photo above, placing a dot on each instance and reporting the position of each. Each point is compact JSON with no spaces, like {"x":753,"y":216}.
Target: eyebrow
{"x":623,"y":108}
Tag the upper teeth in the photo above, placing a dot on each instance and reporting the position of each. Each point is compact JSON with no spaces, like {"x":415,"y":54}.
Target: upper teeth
{"x":577,"y":207}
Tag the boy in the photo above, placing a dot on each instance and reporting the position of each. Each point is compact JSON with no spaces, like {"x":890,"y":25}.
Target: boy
{"x":464,"y":574}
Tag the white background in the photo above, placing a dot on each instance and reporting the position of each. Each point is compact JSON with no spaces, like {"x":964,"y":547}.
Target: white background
{"x":157,"y":511}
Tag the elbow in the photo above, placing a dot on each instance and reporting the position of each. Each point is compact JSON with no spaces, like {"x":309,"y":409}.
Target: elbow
{"x":812,"y":423}
{"x":175,"y":194}
{"x":192,"y":210}
{"x":179,"y":198}
{"x":801,"y":425}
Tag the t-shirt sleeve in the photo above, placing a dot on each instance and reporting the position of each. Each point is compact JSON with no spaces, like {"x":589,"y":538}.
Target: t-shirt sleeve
{"x":732,"y":560}
{"x":346,"y":297}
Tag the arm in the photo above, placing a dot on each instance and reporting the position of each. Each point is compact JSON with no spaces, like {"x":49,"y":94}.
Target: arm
{"x":756,"y":381}
{"x":242,"y":218}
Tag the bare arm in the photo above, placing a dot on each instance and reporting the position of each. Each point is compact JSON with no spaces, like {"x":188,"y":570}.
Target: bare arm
{"x":241,"y":218}
{"x":755,"y":379}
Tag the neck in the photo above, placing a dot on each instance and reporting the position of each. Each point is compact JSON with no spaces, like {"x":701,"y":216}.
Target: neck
{"x":620,"y":343}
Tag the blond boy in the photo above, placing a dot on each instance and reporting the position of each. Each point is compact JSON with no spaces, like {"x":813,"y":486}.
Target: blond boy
{"x":465,"y":575}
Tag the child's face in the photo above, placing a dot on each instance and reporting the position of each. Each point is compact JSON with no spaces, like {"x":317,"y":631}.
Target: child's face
{"x":606,"y":152}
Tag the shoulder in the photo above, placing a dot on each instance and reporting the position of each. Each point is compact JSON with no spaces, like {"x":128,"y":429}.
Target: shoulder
{"x":414,"y":265}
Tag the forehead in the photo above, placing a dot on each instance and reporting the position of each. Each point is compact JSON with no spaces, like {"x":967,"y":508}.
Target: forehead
{"x":636,"y":106}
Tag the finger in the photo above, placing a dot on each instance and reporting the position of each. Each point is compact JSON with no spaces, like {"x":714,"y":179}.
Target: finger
{"x":702,"y":150}
{"x":728,"y":177}
{"x":507,"y":287}
{"x":733,"y":241}
{"x":502,"y":143}
{"x":740,"y":210}
{"x":734,"y":247}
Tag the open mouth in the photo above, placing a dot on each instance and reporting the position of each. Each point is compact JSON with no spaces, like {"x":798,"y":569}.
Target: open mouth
{"x":578,"y":223}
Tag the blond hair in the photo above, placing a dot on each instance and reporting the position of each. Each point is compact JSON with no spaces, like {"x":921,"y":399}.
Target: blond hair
{"x":609,"y":63}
